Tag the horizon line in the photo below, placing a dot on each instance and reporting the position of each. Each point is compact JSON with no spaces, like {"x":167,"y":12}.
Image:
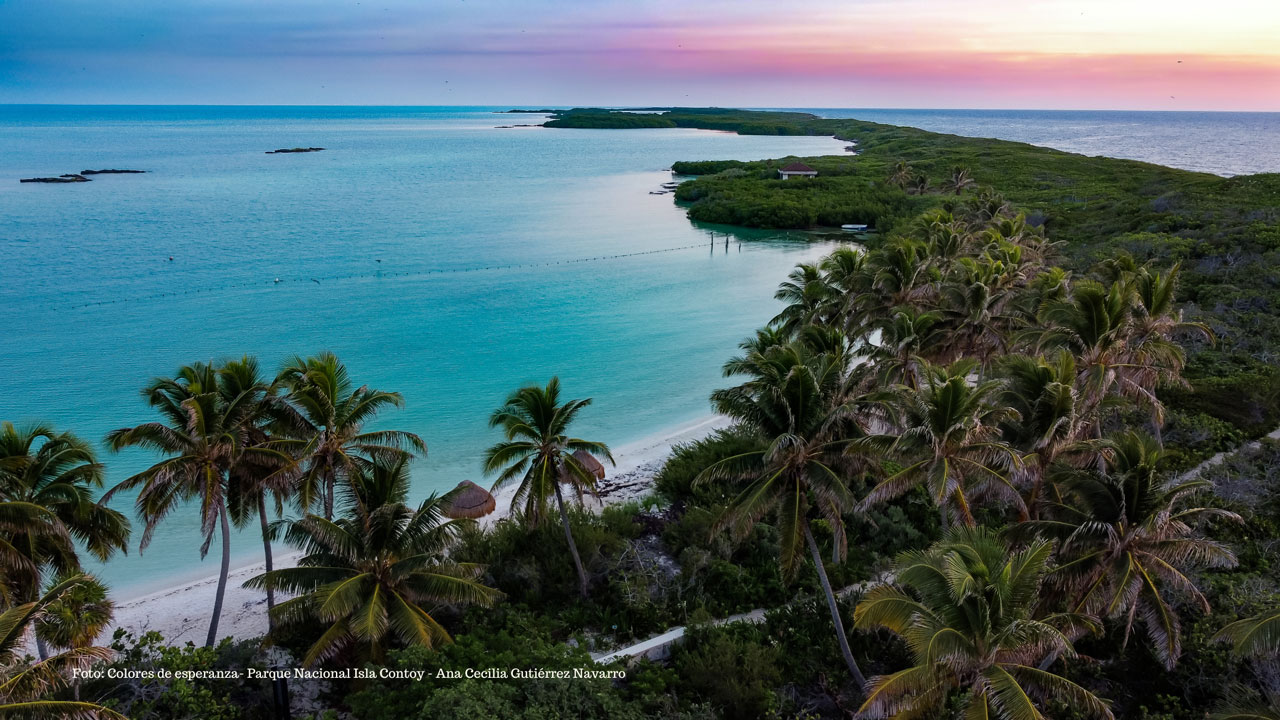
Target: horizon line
{"x":636,"y":107}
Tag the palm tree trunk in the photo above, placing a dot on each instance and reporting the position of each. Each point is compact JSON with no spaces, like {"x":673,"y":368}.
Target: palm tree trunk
{"x":328,"y":498}
{"x":854,"y":670}
{"x":573,"y":547}
{"x":42,"y":649}
{"x":266,"y":551}
{"x":222,"y":579}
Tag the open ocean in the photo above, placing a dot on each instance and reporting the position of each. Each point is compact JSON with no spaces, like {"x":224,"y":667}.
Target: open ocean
{"x":437,"y":255}
{"x":1222,"y":143}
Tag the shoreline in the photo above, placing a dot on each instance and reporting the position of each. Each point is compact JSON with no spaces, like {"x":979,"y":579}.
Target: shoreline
{"x":181,"y":612}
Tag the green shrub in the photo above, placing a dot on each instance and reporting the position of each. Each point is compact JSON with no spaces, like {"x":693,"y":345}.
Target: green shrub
{"x":181,"y":698}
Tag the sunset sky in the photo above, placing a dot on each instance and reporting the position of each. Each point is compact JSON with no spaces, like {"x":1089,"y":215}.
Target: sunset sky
{"x":1083,"y":54}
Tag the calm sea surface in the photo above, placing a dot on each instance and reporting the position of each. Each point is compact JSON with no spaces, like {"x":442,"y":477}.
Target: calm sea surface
{"x":1224,"y":143}
{"x":440,"y":249}
{"x":438,"y":255}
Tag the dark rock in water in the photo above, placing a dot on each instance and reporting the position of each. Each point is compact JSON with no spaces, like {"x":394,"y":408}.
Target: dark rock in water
{"x":111,"y":172}
{"x":68,"y":178}
{"x":294,"y":150}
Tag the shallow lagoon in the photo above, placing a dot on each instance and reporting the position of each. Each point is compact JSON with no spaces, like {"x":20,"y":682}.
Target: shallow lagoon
{"x":437,"y":255}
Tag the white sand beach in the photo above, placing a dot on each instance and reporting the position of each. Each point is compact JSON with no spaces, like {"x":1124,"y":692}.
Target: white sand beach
{"x":181,"y":614}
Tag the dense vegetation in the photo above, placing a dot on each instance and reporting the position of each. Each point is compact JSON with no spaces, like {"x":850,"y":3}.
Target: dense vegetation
{"x":1224,"y":233}
{"x":960,"y":478}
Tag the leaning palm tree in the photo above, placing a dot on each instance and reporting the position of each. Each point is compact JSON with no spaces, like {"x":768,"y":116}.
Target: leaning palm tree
{"x":948,"y":440}
{"x":25,"y":690}
{"x":965,"y":608}
{"x":540,"y":456}
{"x":332,"y":437}
{"x":204,"y":438}
{"x":1129,"y":543}
{"x":796,"y":404}
{"x":371,"y":577}
{"x":60,"y":473}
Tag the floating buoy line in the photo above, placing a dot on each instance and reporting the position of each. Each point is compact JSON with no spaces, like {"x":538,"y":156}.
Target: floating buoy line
{"x":274,"y":281}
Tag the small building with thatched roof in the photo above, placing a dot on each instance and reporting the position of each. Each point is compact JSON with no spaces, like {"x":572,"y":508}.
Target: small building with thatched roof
{"x":588,"y":461}
{"x":796,"y":169}
{"x":468,"y":500}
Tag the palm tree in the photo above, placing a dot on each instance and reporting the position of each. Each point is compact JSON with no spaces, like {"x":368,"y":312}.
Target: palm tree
{"x":807,"y":295}
{"x":979,"y":328}
{"x":1156,"y":320}
{"x":949,"y":440}
{"x":25,"y":691}
{"x":961,"y":179}
{"x":76,"y":618}
{"x":204,"y":437}
{"x":1097,"y":324}
{"x":902,"y":274}
{"x":58,"y":472}
{"x":41,"y":528}
{"x":539,"y":454}
{"x":966,"y":611}
{"x":919,"y":184}
{"x":1128,"y":541}
{"x":901,"y":175}
{"x":268,"y":472}
{"x":1255,"y":637}
{"x":1042,"y":393}
{"x":332,"y":436}
{"x":906,"y":338}
{"x":946,"y":238}
{"x":797,"y":406}
{"x":371,"y":576}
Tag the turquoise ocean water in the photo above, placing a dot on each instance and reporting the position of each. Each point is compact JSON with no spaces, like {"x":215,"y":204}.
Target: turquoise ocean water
{"x":402,"y":221}
{"x":437,"y":255}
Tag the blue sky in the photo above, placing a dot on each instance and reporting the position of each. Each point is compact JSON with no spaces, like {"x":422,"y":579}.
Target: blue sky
{"x":1140,"y":54}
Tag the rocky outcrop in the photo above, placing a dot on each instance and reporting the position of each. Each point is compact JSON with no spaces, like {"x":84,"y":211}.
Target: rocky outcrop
{"x":111,"y":172}
{"x":68,"y":178}
{"x":293,"y":150}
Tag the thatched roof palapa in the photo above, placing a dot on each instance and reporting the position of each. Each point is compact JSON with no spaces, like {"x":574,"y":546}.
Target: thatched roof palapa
{"x":469,"y":500}
{"x":588,"y":461}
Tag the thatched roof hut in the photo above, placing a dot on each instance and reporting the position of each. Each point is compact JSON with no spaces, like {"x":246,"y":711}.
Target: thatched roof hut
{"x":588,"y":461}
{"x":468,"y":500}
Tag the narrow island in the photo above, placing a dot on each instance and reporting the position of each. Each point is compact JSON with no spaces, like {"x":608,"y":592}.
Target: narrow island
{"x":294,"y":150}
